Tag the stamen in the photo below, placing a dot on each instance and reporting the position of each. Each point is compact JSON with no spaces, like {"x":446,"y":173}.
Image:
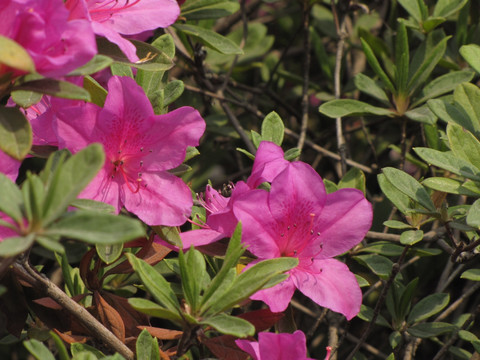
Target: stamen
{"x":329,"y":353}
{"x":111,"y":10}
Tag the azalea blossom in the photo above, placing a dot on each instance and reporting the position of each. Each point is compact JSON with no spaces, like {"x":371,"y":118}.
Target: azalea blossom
{"x":276,"y":346}
{"x":221,"y":221}
{"x":9,"y":166}
{"x":113,"y":18}
{"x":140,"y":148}
{"x":56,"y":43}
{"x":297,"y":218}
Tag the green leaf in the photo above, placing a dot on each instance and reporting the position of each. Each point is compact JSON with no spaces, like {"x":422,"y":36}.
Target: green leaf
{"x":169,"y":234}
{"x":230,"y":325}
{"x":62,"y":352}
{"x":473,"y":215}
{"x":212,"y":9}
{"x":150,"y":308}
{"x":10,"y":199}
{"x":347,"y":107}
{"x":211,"y":39}
{"x":468,"y":97}
{"x":109,"y":253}
{"x":471,"y":53}
{"x":52,"y":244}
{"x":57,"y":88}
{"x":93,"y":205}
{"x":97,"y":93}
{"x":428,"y":306}
{"x":395,"y":224}
{"x":155,"y":283}
{"x":147,"y":347}
{"x":25,"y":99}
{"x":448,"y":185}
{"x":453,"y":114}
{"x":120,"y":69}
{"x":426,"y":330}
{"x":409,"y":186}
{"x":411,"y":237}
{"x":15,"y":56}
{"x":471,"y":274}
{"x":372,"y":60}
{"x":421,"y":114}
{"x":370,"y":87}
{"x":273,"y":128}
{"x":450,"y":162}
{"x":292,"y":154}
{"x":99,"y":62}
{"x":97,"y":228}
{"x":192,"y":271}
{"x":398,"y":198}
{"x":354,"y":178}
{"x":463,"y":144}
{"x":442,"y":85}
{"x":15,"y":133}
{"x":173,"y":91}
{"x":430,"y":60}
{"x":38,"y":350}
{"x":366,"y":314}
{"x":15,"y":245}
{"x":70,"y":179}
{"x":402,"y":58}
{"x":383,"y":248}
{"x":445,"y":8}
{"x":416,"y":9}
{"x":378,"y":264}
{"x":362,"y":282}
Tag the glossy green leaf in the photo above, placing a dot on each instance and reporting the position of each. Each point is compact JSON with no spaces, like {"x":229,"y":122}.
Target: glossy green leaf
{"x":170,"y":234}
{"x":453,"y":114}
{"x":230,"y":325}
{"x":25,"y":99}
{"x":50,"y":243}
{"x":471,"y":274}
{"x":97,"y":228}
{"x":473,"y":215}
{"x":99,"y":62}
{"x":398,"y":198}
{"x":57,"y":88}
{"x":471,"y":53}
{"x":150,"y":308}
{"x":463,"y":144}
{"x":448,"y":185}
{"x":395,"y":224}
{"x":448,"y":161}
{"x":445,"y":8}
{"x":15,"y":245}
{"x":120,"y":69}
{"x":70,"y":179}
{"x":38,"y":350}
{"x":292,"y":154}
{"x":172,"y":91}
{"x":273,"y":128}
{"x":468,"y":97}
{"x":98,"y":94}
{"x":370,"y":87}
{"x":347,"y":107}
{"x":362,"y":282}
{"x":416,"y":9}
{"x":377,"y":68}
{"x":10,"y":199}
{"x":211,"y":39}
{"x":15,"y":56}
{"x":426,"y":330}
{"x":409,"y":186}
{"x":155,"y":283}
{"x":411,"y":237}
{"x":192,"y":271}
{"x":366,"y":314}
{"x":428,"y":306}
{"x":62,"y":352}
{"x":93,"y":205}
{"x":15,"y":133}
{"x":147,"y":347}
{"x":78,"y":350}
{"x":354,"y":178}
{"x":402,"y":58}
{"x":109,"y":253}
{"x":422,"y":114}
{"x":442,"y":85}
{"x":379,"y":265}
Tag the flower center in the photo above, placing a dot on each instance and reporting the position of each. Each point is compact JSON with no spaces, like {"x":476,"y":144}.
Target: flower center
{"x":111,"y":6}
{"x":299,"y":236}
{"x":132,"y":184}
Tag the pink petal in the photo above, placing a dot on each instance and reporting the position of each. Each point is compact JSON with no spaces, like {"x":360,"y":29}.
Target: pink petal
{"x":137,"y":16}
{"x":330,"y":284}
{"x":269,"y":162}
{"x":344,"y":221}
{"x":277,"y":297}
{"x":126,"y":46}
{"x":200,"y":237}
{"x":163,"y":199}
{"x":250,"y":347}
{"x":104,"y":188}
{"x":9,"y":166}
{"x":282,"y":346}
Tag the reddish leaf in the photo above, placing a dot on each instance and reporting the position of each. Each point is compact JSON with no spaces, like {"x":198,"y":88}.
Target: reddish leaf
{"x":109,"y":316}
{"x":224,"y":348}
{"x":70,"y":339}
{"x":162,"y":334}
{"x":52,"y":304}
{"x":262,"y":319}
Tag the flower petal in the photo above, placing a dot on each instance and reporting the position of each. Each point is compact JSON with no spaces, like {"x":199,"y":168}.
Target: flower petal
{"x":250,"y":347}
{"x":200,"y":237}
{"x":277,"y":297}
{"x":282,"y":346}
{"x":330,"y":284}
{"x":126,"y":46}
{"x":269,"y":162}
{"x":163,"y":199}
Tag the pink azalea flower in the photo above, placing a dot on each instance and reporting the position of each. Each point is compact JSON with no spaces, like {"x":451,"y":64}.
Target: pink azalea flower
{"x":110,"y":18}
{"x":271,"y":346}
{"x":9,"y":166}
{"x":221,"y":222}
{"x":56,"y":44}
{"x":296,"y":218}
{"x":140,"y":148}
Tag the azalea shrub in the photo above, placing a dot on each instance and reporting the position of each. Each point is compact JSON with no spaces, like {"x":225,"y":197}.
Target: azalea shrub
{"x":238,"y":179}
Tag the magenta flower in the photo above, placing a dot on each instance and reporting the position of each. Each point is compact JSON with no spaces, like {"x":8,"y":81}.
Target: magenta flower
{"x":271,"y":346}
{"x":140,"y":148}
{"x":56,"y":44}
{"x":298,"y":219}
{"x":221,"y":222}
{"x":110,"y":18}
{"x":9,"y":166}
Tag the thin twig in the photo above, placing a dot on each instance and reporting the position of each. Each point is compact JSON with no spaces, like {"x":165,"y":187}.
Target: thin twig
{"x":79,"y":312}
{"x":458,"y":302}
